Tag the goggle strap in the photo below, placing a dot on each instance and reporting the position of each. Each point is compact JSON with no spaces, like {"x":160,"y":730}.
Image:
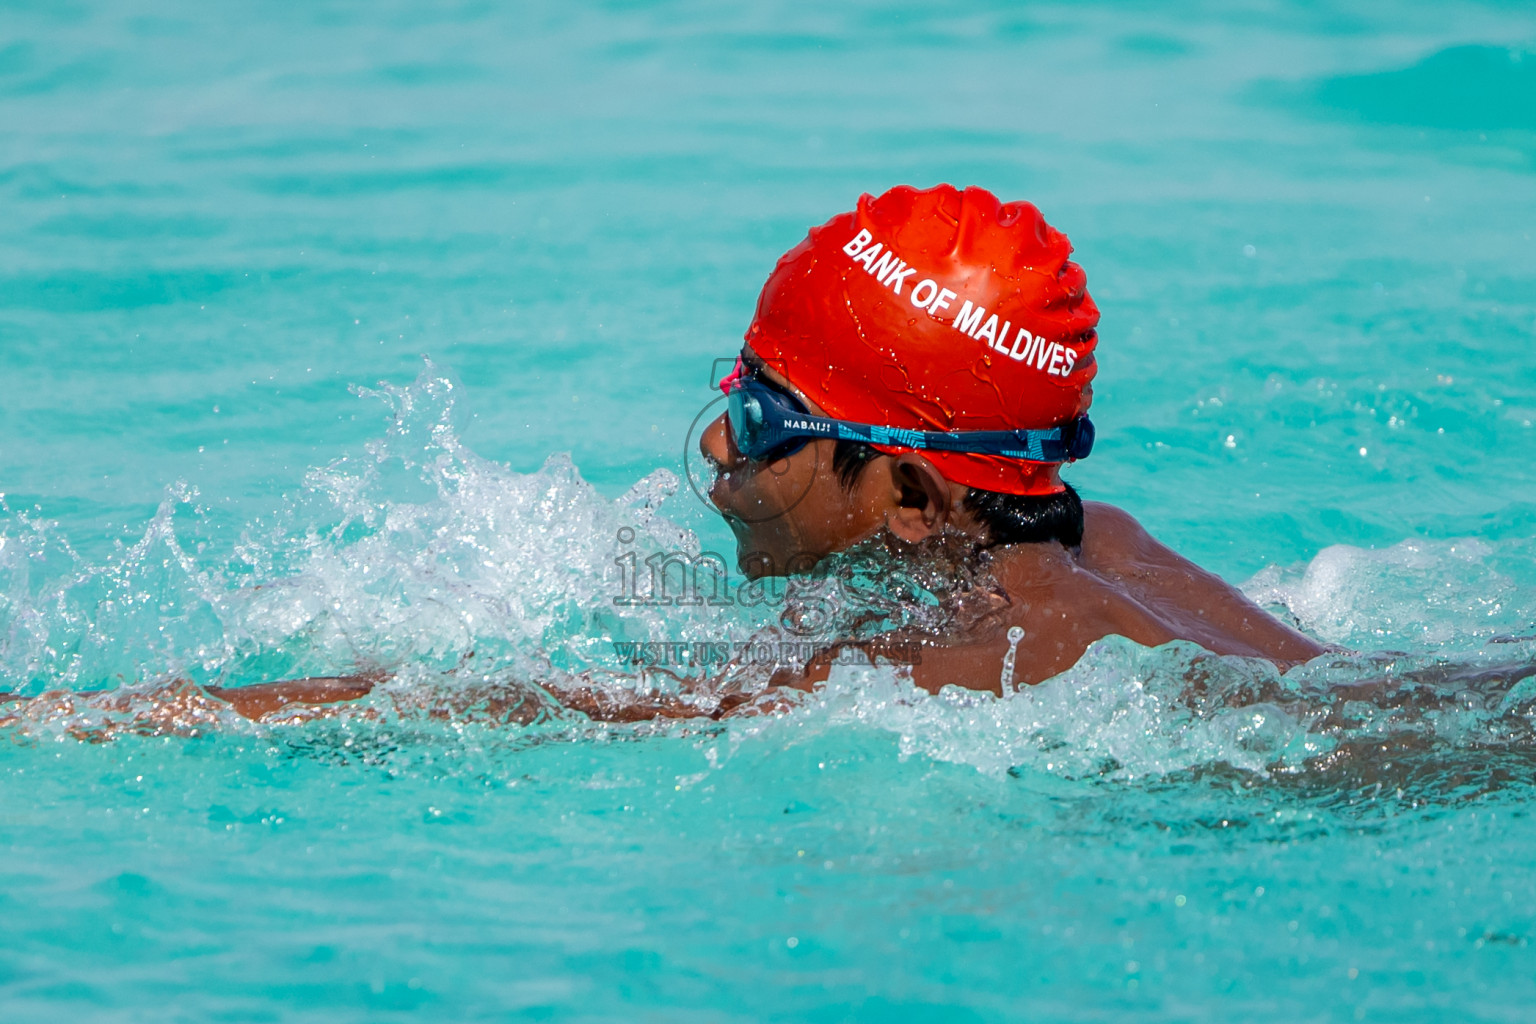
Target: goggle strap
{"x":1065,"y":443}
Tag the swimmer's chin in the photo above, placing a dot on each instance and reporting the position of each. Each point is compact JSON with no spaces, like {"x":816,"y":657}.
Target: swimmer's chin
{"x":752,"y":563}
{"x":755,"y":565}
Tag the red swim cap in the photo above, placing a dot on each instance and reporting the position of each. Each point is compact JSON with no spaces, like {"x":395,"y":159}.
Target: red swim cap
{"x":936,"y":310}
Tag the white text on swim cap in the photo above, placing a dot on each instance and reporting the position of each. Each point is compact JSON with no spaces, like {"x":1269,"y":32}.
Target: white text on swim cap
{"x":972,"y":320}
{"x":888,"y":270}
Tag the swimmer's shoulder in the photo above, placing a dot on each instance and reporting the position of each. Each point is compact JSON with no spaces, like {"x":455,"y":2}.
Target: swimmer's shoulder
{"x":1195,"y":603}
{"x":1106,"y":523}
{"x":1116,"y":546}
{"x":1114,"y":540}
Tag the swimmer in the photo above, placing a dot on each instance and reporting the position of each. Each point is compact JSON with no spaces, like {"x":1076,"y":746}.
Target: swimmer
{"x":923,"y":366}
{"x":918,"y":371}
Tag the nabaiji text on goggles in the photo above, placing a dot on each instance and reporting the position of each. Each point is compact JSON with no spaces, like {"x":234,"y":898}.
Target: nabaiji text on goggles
{"x":765,"y":422}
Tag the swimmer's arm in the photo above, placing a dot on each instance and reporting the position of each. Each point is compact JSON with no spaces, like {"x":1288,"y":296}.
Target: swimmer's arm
{"x":316,"y":696}
{"x":600,"y":704}
{"x":252,"y":701}
{"x":1114,"y":538}
{"x":261,"y":699}
{"x":620,"y":704}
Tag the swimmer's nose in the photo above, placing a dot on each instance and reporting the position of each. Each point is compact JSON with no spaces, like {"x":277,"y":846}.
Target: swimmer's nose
{"x":717,"y":446}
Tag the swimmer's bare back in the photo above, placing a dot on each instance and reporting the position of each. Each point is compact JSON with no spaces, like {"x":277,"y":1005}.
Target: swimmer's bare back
{"x":1122,"y":582}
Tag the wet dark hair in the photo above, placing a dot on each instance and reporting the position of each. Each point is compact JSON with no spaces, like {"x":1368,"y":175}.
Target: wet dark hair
{"x":1009,"y":518}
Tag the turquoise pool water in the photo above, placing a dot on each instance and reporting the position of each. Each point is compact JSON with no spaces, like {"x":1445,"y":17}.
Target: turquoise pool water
{"x":233,"y":233}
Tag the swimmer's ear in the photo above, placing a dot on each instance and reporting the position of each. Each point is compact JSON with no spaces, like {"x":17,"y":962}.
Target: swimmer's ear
{"x":924,"y":501}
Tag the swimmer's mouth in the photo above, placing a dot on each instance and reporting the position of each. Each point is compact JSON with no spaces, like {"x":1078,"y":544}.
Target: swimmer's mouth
{"x":715,"y":493}
{"x":718,"y":487}
{"x":718,"y":493}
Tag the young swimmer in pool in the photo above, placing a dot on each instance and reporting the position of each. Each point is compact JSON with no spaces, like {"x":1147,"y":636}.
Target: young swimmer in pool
{"x":920,"y":367}
{"x":924,"y":364}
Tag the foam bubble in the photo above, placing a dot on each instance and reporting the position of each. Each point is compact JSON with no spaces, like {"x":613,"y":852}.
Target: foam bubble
{"x":1416,"y":593}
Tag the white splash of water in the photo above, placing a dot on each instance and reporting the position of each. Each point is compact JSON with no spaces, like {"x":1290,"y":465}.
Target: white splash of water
{"x":417,"y":552}
{"x":1415,"y":593}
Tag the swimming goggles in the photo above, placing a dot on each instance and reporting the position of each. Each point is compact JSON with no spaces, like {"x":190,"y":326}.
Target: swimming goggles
{"x":768,"y":422}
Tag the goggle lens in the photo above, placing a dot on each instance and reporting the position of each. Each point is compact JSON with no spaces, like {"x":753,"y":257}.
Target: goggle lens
{"x":745,"y":414}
